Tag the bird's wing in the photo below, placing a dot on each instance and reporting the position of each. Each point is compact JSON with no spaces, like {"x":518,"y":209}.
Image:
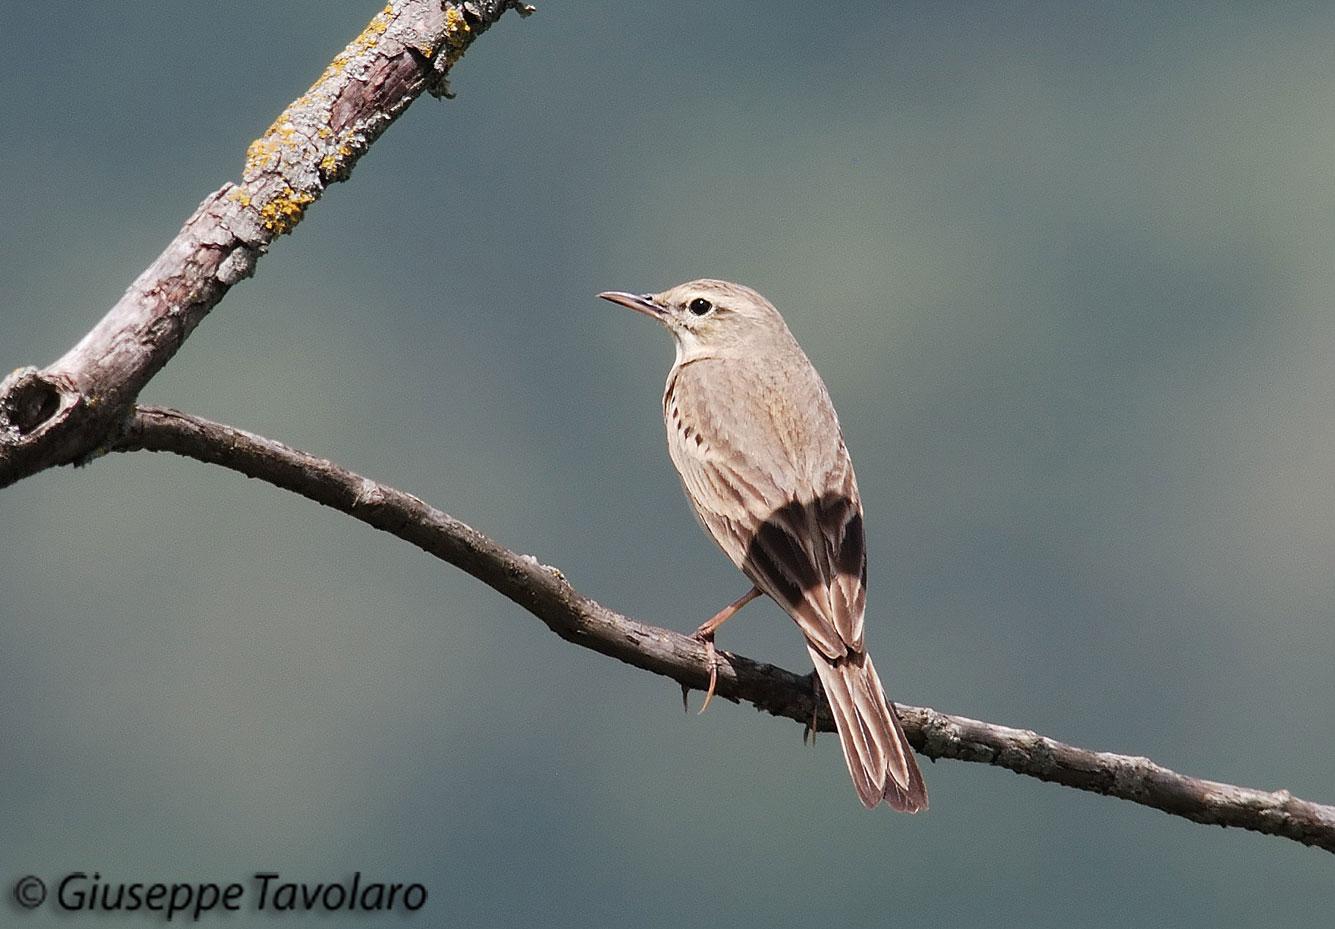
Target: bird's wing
{"x":810,"y":557}
{"x":790,"y":519}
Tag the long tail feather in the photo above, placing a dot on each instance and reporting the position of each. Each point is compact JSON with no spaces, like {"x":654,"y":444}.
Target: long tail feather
{"x":878,"y":756}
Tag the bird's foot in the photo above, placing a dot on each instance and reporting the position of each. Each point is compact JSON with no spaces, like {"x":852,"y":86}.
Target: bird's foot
{"x":705,"y":635}
{"x":706,"y":638}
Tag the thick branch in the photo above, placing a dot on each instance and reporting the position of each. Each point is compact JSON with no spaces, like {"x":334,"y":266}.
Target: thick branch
{"x":63,"y":412}
{"x":544,"y":592}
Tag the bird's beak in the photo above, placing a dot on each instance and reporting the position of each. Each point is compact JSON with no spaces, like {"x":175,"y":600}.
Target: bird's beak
{"x":643,"y":302}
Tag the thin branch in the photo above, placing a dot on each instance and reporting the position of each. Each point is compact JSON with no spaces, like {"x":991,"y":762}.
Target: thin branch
{"x":68,"y":410}
{"x":544,"y":592}
{"x":62,"y":413}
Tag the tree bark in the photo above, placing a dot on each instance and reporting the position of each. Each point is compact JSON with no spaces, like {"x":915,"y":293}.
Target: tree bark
{"x":83,"y":405}
{"x":543,"y":591}
{"x":65,"y":412}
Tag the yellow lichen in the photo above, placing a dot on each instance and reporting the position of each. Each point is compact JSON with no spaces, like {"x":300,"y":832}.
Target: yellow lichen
{"x":282,"y":213}
{"x":260,"y":154}
{"x":266,"y":151}
{"x":334,"y":165}
{"x":370,"y":36}
{"x":458,"y":35}
{"x":368,"y":39}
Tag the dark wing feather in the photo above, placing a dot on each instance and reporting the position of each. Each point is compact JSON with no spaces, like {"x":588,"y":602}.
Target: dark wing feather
{"x":811,"y":557}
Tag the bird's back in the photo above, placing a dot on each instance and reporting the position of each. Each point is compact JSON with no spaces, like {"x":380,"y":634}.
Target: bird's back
{"x":770,"y":412}
{"x":759,"y":452}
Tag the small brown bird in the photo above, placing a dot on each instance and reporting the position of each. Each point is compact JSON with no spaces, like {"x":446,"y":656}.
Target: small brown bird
{"x":754,"y":436}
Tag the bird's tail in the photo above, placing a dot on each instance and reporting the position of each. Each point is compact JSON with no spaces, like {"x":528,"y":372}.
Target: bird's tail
{"x":878,"y":755}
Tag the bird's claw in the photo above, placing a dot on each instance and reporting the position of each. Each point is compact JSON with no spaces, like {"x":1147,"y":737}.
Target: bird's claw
{"x":711,"y":662}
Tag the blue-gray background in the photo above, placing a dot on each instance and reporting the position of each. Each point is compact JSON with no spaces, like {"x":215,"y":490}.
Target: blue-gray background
{"x":1067,"y":270}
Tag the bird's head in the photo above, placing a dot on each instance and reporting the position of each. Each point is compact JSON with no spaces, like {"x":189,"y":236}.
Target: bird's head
{"x":710,"y":318}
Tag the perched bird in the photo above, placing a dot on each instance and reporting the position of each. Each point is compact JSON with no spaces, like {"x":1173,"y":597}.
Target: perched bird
{"x":753,"y":434}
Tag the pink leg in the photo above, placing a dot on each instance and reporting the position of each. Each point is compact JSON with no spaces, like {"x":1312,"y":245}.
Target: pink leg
{"x":706,"y":635}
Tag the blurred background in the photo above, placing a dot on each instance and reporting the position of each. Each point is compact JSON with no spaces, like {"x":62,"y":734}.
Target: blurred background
{"x":1066,"y":269}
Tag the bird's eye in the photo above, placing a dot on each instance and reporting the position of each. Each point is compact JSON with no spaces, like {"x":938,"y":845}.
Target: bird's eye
{"x":700,"y":306}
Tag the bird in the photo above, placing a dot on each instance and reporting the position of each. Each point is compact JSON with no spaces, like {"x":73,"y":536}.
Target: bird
{"x":754,"y":437}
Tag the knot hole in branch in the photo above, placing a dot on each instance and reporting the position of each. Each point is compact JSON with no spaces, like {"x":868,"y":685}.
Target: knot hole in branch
{"x":29,"y":402}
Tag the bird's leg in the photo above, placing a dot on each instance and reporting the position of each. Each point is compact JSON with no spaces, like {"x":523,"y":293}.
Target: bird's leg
{"x":706,"y":635}
{"x":816,"y":692}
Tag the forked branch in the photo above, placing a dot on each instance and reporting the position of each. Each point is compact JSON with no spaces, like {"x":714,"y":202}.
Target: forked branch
{"x":63,"y":412}
{"x":83,"y":404}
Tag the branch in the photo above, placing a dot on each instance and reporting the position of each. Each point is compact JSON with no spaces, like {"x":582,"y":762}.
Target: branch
{"x":62,"y":413}
{"x":544,"y":592}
